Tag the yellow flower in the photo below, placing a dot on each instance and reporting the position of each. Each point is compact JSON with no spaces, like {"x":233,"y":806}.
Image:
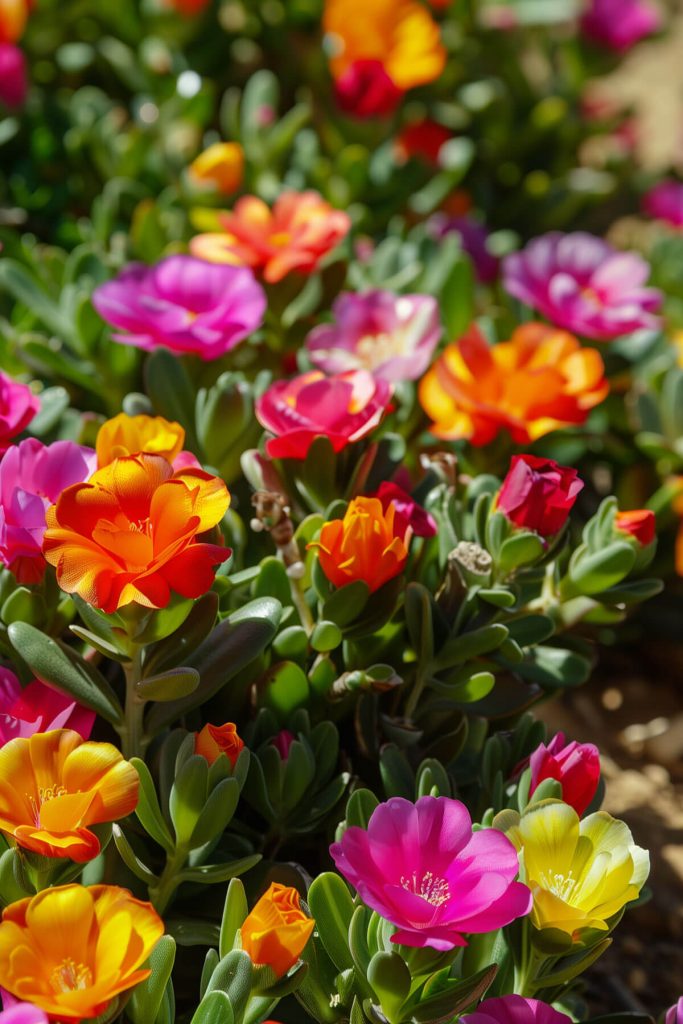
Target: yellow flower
{"x":70,"y":950}
{"x":131,"y":435}
{"x":581,"y":872}
{"x":221,"y":166}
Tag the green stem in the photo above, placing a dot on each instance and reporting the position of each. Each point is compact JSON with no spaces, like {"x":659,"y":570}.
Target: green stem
{"x":421,"y":677}
{"x":162,"y":893}
{"x":134,"y":741}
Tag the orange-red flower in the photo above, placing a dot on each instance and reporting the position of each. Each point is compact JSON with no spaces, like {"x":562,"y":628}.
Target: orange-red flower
{"x":72,"y":949}
{"x":538,"y":381}
{"x":276,"y":930}
{"x":131,"y":435}
{"x":214,"y":740}
{"x":54,"y":784}
{"x":295,"y":235}
{"x":638,"y":523}
{"x":400,"y":34}
{"x":368,"y":544}
{"x":131,"y":533}
{"x":13,"y":18}
{"x":221,"y":166}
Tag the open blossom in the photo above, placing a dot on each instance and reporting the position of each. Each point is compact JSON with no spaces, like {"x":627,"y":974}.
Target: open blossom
{"x":392,"y":336}
{"x":665,"y":202}
{"x":214,"y":740}
{"x":344,"y":408}
{"x":420,"y":521}
{"x":38,"y":708}
{"x":67,"y":784}
{"x":422,"y":867}
{"x":638,"y":523}
{"x":13,"y":76}
{"x":276,"y":931}
{"x":22,"y":1013}
{"x":184,"y":304}
{"x":368,"y":544}
{"x":132,"y":435}
{"x":132,"y":533}
{"x":32,"y":476}
{"x":538,"y":381}
{"x":538,"y":494}
{"x":514,"y":1009}
{"x":581,"y":871}
{"x":79,"y":947}
{"x":18,"y":406}
{"x":576,"y":766}
{"x":220,"y":166}
{"x":620,"y":24}
{"x":299,"y":231}
{"x":581,"y":283}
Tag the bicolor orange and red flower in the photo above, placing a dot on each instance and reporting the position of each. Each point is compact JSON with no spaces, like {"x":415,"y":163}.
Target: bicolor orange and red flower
{"x":639,"y":523}
{"x":294,"y":235}
{"x":71,"y":950}
{"x":538,"y":381}
{"x":131,"y":435}
{"x":276,"y":931}
{"x":54,"y":785}
{"x":214,"y":740}
{"x":13,"y":17}
{"x":132,"y":533}
{"x":369,"y":544}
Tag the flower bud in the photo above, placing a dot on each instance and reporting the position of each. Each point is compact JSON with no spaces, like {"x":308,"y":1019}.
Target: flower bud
{"x":276,"y":931}
{"x":283,"y":742}
{"x":221,"y":166}
{"x":538,"y":494}
{"x":638,"y":523}
{"x":576,"y":766}
{"x":215,"y":740}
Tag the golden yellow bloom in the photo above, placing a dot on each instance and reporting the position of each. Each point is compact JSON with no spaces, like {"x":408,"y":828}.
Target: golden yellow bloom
{"x":131,"y":435}
{"x":276,"y":930}
{"x":71,"y":950}
{"x":54,"y":784}
{"x":221,"y":166}
{"x":581,"y":872}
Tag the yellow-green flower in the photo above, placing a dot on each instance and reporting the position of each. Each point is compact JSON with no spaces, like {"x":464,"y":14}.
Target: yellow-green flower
{"x":581,"y":872}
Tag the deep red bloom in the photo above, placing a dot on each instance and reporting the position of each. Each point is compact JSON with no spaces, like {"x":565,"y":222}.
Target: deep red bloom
{"x":639,"y":523}
{"x":366,"y":90}
{"x":575,"y":765}
{"x":538,"y":494}
{"x":422,"y":139}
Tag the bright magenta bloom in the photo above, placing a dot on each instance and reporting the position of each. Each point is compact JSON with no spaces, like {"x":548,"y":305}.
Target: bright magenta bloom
{"x":674,"y":1015}
{"x":345,"y":408}
{"x":576,"y":766}
{"x":18,"y":406}
{"x":38,"y":708}
{"x":515,"y":1009}
{"x":422,"y":867}
{"x":665,"y":202}
{"x":21,"y":1013}
{"x":620,"y":24}
{"x":13,"y":78}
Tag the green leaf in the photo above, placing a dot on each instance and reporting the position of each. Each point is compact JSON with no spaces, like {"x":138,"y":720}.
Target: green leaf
{"x":130,"y":858}
{"x":148,"y":810}
{"x":470,"y":645}
{"x":233,"y":975}
{"x":592,"y":573}
{"x":174,"y":684}
{"x":188,"y":797}
{"x":147,"y":997}
{"x":175,"y":649}
{"x":531,"y":629}
{"x":217,"y":813}
{"x":418,"y":612}
{"x":555,"y":667}
{"x":212,"y":874}
{"x":162,"y":622}
{"x":390,"y":978}
{"x":457,"y":298}
{"x":235,"y":913}
{"x":284,"y":688}
{"x":360,"y":806}
{"x":571,"y":970}
{"x":346,"y":604}
{"x":332,"y":907}
{"x":455,"y":999}
{"x":16,"y":280}
{"x":171,"y":391}
{"x":54,"y":663}
{"x":214,"y":1008}
{"x":519,"y":549}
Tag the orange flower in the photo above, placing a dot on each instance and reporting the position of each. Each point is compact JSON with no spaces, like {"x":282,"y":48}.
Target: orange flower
{"x":221,"y":166}
{"x":131,"y":435}
{"x":368,"y":544}
{"x":295,"y":235}
{"x":54,"y":784}
{"x":71,"y":950}
{"x":13,"y":18}
{"x":540,"y":380}
{"x":276,"y":930}
{"x":215,"y":740}
{"x":401,"y":34}
{"x":129,"y":534}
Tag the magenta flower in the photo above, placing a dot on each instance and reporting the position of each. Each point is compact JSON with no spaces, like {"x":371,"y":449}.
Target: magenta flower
{"x":474,"y":240}
{"x":674,"y":1015}
{"x":365,"y":90}
{"x":38,"y":708}
{"x":13,"y":77}
{"x":32,"y":476}
{"x":345,"y":408}
{"x":18,"y":406}
{"x":619,"y":24}
{"x":579,"y":282}
{"x":184,"y":304}
{"x":392,"y":336}
{"x":665,"y":202}
{"x":283,"y":742}
{"x":515,"y":1010}
{"x":575,"y":765}
{"x":415,"y":516}
{"x":422,"y":867}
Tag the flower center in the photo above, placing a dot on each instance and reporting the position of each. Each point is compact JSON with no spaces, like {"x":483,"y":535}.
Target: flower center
{"x":429,"y":887}
{"x":141,"y":526}
{"x":70,"y":976}
{"x":47,"y":793}
{"x":559,"y":885}
{"x":374,"y":349}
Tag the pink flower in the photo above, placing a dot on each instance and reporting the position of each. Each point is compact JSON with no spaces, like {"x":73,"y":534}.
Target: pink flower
{"x":474,"y":240}
{"x":620,"y":24}
{"x":184,"y":304}
{"x":345,"y":408}
{"x":18,"y":406}
{"x":38,"y":708}
{"x":32,"y":476}
{"x":515,"y":1009}
{"x":422,"y":867}
{"x":420,"y":521}
{"x":283,"y":742}
{"x":665,"y":202}
{"x":13,"y":77}
{"x":365,"y":90}
{"x":674,"y":1015}
{"x":392,"y":336}
{"x":575,"y":765}
{"x":581,"y":283}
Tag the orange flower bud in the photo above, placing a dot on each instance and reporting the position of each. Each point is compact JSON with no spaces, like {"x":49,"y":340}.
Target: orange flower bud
{"x":215,"y":740}
{"x":221,"y":166}
{"x":368,"y":544}
{"x":276,"y":930}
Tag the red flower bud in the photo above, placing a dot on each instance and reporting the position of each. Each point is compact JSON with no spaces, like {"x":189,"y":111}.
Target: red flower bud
{"x":639,"y":523}
{"x":538,"y":494}
{"x":576,"y":766}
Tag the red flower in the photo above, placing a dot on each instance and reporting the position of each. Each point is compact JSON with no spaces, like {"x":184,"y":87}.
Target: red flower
{"x":575,"y":765}
{"x":366,"y":90}
{"x":639,"y":523}
{"x":422,"y":139}
{"x":538,"y":494}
